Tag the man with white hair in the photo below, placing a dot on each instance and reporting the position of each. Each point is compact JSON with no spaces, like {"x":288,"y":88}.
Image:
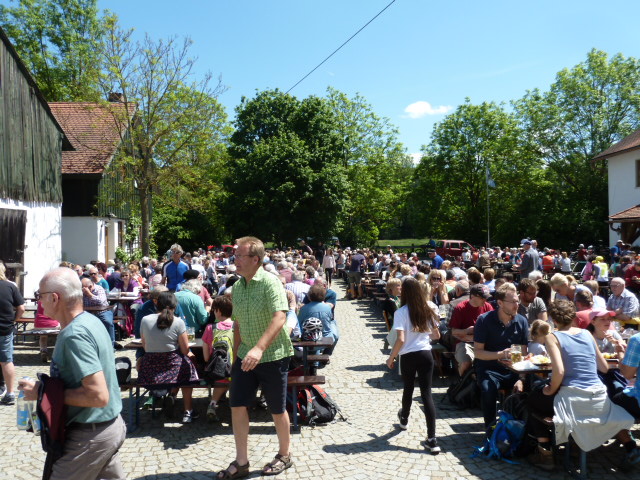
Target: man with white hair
{"x":535,"y":275}
{"x":622,"y":301}
{"x":83,"y":359}
{"x":192,"y":305}
{"x":297,"y":286}
{"x":94,"y":301}
{"x":284,"y":270}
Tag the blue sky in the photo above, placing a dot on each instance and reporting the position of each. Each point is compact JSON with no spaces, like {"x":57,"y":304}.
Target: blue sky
{"x":438,"y":52}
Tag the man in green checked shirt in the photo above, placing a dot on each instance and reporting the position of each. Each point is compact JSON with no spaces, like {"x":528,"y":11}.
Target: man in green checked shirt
{"x":262,"y":348}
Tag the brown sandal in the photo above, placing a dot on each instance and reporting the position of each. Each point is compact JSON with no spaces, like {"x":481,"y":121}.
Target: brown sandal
{"x":241,"y":471}
{"x":278,"y":465}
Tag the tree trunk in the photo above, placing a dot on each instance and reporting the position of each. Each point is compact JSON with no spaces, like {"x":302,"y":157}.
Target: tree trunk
{"x":145,"y":194}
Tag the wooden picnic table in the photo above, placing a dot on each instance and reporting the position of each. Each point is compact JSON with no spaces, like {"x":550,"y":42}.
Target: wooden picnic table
{"x":307,"y":345}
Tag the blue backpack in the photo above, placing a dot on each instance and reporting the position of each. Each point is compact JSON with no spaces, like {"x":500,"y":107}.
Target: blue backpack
{"x":505,"y":440}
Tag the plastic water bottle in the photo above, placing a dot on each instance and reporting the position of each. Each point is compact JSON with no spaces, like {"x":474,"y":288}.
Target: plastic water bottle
{"x":23,"y":415}
{"x":26,"y":416}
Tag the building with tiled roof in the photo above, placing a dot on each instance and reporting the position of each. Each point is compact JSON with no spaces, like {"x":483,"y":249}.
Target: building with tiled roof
{"x":97,"y":196}
{"x":623,"y":164}
{"x":95,"y":131}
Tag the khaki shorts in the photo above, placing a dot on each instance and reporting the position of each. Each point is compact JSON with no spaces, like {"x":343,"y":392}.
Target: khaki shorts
{"x":464,"y":353}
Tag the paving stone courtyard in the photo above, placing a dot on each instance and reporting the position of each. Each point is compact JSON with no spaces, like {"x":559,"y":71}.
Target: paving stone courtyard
{"x":367,"y":446}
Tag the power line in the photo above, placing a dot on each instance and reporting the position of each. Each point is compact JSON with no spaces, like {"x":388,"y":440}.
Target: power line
{"x":336,"y":50}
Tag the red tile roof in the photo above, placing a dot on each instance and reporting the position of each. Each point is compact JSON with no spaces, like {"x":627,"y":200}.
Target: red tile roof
{"x":95,"y":131}
{"x":629,"y":214}
{"x":628,"y":143}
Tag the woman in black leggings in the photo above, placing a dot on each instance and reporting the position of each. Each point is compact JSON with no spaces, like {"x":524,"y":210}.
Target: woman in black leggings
{"x":416,"y":324}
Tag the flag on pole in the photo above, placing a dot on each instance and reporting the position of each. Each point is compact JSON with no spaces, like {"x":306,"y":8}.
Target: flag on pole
{"x":490,"y":182}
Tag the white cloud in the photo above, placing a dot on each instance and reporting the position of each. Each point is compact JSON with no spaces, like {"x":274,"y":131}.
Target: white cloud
{"x":421,"y":109}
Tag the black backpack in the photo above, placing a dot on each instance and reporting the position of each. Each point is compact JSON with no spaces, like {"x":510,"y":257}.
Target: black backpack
{"x":219,"y":366}
{"x":315,"y":406}
{"x":123,"y":370}
{"x":465,"y":393}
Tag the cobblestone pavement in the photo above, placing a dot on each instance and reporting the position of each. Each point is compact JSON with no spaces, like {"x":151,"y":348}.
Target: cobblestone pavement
{"x":367,"y":446}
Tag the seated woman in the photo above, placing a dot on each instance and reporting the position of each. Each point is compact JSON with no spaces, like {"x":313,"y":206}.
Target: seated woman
{"x":222,"y":308}
{"x":609,"y":342}
{"x":167,"y":358}
{"x":393,"y":289}
{"x":576,"y":398}
{"x":439,"y":294}
{"x":565,"y":287}
{"x":42,"y":321}
{"x":319,"y":309}
{"x":156,"y":278}
{"x":127,"y":284}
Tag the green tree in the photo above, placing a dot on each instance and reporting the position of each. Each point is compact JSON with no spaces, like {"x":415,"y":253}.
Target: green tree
{"x":286,"y":178}
{"x":378,"y":170}
{"x":449,"y":194}
{"x":58,"y":40}
{"x":587,"y":109}
{"x":177,"y":123}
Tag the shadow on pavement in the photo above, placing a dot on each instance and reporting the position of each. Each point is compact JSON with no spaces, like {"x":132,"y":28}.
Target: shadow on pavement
{"x":376,"y":444}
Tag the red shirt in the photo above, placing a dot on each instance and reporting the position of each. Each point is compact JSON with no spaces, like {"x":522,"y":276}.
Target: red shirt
{"x":629,"y":274}
{"x":465,"y":315}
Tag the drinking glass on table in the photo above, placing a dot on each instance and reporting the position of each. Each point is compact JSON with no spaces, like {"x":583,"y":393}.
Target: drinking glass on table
{"x":191,"y":334}
{"x":516,"y":353}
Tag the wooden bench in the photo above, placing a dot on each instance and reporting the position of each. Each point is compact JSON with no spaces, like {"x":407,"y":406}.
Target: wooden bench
{"x":136,"y":398}
{"x":319,"y":358}
{"x":22,"y":323}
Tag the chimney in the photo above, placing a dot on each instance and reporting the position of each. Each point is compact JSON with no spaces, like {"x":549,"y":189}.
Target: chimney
{"x":116,"y":97}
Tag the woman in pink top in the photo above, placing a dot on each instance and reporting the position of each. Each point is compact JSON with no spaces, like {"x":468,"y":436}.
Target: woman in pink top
{"x":42,"y":321}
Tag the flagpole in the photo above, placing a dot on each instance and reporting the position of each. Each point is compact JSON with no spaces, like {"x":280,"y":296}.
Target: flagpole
{"x":488,"y":210}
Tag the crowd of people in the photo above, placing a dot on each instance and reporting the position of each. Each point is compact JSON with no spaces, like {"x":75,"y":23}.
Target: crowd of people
{"x":500,"y":300}
{"x":479,"y":306}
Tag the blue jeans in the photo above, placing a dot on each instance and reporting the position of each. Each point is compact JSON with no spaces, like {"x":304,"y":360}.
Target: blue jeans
{"x":6,"y":348}
{"x":490,"y":381}
{"x":106,"y":317}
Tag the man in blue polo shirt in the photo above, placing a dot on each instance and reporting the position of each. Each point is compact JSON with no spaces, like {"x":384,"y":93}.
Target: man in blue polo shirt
{"x":173,"y":270}
{"x":436,"y":260}
{"x":493,"y":336}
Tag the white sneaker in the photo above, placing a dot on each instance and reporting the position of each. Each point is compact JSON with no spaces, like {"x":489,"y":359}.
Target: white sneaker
{"x":189,"y":416}
{"x":402,"y":421}
{"x":432,"y":446}
{"x":212,"y":416}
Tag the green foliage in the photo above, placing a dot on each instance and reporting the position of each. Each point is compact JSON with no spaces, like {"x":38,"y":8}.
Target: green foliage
{"x":179,"y":128}
{"x":190,"y":228}
{"x":286,"y":176}
{"x":586,"y":110}
{"x":449,"y":198}
{"x":540,"y":158}
{"x":377,"y":170}
{"x":58,"y":40}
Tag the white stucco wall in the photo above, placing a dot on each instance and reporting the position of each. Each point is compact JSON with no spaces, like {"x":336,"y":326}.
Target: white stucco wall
{"x":80,"y":239}
{"x":42,"y":239}
{"x":623,"y":192}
